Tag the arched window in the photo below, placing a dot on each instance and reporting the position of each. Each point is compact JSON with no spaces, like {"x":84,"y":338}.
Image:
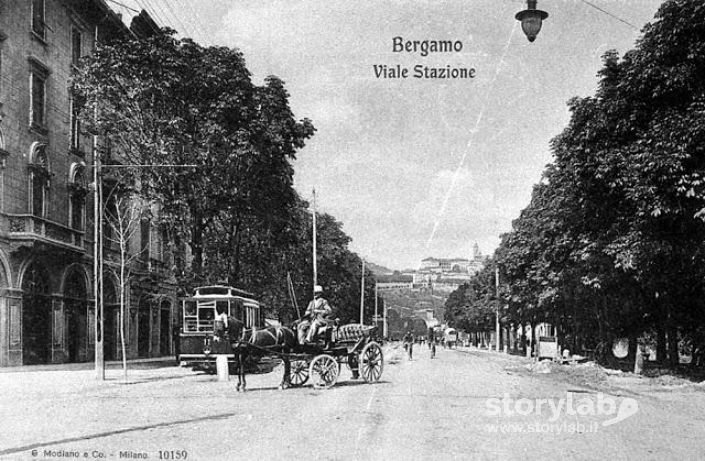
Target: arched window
{"x":39,"y":176}
{"x":77,"y":195}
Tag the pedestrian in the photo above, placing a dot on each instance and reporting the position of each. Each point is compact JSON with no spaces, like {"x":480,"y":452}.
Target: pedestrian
{"x":409,"y":344}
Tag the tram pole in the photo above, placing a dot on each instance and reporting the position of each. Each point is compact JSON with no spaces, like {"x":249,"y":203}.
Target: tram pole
{"x":385,"y":327}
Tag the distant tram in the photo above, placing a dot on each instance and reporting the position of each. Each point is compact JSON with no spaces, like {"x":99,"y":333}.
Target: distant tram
{"x":198,"y":319}
{"x":451,"y":337}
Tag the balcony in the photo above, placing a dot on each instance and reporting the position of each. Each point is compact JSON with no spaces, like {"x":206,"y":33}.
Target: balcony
{"x":25,"y":227}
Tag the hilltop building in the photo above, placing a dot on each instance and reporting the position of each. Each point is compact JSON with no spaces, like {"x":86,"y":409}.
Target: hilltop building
{"x":447,"y":274}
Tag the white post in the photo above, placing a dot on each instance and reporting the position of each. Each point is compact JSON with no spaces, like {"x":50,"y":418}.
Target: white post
{"x":221,"y":367}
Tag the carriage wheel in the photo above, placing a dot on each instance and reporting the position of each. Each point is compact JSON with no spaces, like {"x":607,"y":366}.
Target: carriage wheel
{"x":324,"y":371}
{"x":298,"y":374}
{"x":371,"y":362}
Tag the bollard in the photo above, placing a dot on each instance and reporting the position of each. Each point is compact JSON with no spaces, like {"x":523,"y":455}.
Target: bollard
{"x":221,"y":366}
{"x":641,"y":355}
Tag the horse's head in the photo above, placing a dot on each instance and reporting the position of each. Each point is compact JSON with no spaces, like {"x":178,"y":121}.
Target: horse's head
{"x":235,"y":329}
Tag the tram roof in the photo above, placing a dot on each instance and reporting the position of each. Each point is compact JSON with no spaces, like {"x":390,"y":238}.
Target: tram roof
{"x":211,"y":291}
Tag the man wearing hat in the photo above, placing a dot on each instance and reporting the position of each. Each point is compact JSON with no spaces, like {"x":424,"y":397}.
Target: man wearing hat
{"x":316,"y":312}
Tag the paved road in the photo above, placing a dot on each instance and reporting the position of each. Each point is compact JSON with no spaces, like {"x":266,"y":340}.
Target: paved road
{"x":422,"y":409}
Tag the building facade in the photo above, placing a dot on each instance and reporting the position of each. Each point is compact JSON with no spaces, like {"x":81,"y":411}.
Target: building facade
{"x":47,"y":310}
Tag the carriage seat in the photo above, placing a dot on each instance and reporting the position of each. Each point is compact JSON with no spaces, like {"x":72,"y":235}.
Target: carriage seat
{"x":325,"y":332}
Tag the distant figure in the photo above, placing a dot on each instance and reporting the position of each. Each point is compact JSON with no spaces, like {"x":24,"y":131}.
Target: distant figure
{"x":409,"y":344}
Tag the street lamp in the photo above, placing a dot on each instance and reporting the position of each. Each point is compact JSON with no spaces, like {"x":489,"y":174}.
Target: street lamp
{"x":531,"y":20}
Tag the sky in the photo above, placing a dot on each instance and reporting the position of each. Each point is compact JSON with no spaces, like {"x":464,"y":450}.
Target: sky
{"x":418,"y":167}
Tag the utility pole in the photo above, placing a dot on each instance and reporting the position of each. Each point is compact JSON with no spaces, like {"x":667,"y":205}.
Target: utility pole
{"x":98,"y":265}
{"x":362,"y":295}
{"x":496,"y":280}
{"x":315,"y":267}
{"x":385,"y":327}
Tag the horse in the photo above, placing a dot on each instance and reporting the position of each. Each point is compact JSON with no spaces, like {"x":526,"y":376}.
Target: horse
{"x":256,"y":343}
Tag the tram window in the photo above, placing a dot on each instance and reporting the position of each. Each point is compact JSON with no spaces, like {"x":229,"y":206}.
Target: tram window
{"x":221,"y":306}
{"x":190,"y":318}
{"x":206,"y":315}
{"x":236,"y":309}
{"x":215,"y":290}
{"x":189,"y":308}
{"x":252,"y":315}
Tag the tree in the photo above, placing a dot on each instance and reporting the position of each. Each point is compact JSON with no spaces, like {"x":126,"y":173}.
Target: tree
{"x":613,"y":241}
{"x":124,"y":213}
{"x":215,"y":152}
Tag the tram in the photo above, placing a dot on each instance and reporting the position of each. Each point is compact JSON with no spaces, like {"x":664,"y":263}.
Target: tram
{"x":451,"y":337}
{"x":198,"y":319}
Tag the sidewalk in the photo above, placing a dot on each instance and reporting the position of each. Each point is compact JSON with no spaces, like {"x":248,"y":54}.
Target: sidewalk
{"x":109,"y":365}
{"x":53,"y":406}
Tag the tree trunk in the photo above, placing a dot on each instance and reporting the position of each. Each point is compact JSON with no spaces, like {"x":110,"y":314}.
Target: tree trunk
{"x":672,"y":332}
{"x":523,"y":338}
{"x":661,"y":340}
{"x":673,"y":359}
{"x":178,"y":253}
{"x":633,"y":352}
{"x":123,"y":310}
{"x":197,"y":246}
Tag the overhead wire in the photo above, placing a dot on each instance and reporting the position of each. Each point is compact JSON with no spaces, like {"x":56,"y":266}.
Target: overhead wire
{"x":200,"y":22}
{"x":165,"y":13}
{"x":162,"y":16}
{"x":152,"y":12}
{"x":468,"y":147}
{"x":174,"y":18}
{"x":189,"y":20}
{"x":124,"y":6}
{"x":610,"y":14}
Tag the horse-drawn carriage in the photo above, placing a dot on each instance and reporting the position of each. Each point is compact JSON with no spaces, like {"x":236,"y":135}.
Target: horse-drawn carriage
{"x":321,"y":362}
{"x":223,"y":321}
